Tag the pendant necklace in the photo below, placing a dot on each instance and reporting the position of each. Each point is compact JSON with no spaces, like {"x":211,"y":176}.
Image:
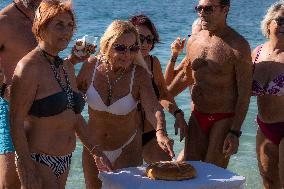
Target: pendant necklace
{"x":112,"y":84}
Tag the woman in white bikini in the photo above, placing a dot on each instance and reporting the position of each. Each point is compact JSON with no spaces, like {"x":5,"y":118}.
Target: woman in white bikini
{"x":114,"y":82}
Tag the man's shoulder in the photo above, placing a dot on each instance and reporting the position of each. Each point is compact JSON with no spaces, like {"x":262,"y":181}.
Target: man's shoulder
{"x":193,"y":38}
{"x":237,"y":41}
{"x":7,"y":17}
{"x":7,"y":11}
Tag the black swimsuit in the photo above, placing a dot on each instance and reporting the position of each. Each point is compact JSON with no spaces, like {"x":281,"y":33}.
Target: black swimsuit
{"x":55,"y":104}
{"x":146,"y":137}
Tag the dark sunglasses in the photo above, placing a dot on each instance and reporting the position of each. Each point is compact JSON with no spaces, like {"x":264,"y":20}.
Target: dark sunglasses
{"x":120,"y":48}
{"x":149,"y":39}
{"x":279,"y":21}
{"x":207,"y":9}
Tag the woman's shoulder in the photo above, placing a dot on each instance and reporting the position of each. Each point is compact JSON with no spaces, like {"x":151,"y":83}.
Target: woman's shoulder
{"x":29,"y":64}
{"x":257,"y":48}
{"x":141,"y":73}
{"x":256,"y":53}
{"x":85,"y":75}
{"x":155,"y":59}
{"x":156,"y":62}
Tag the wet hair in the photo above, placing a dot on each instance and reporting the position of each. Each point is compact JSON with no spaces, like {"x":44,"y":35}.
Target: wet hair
{"x":143,"y":20}
{"x":225,"y":3}
{"x":115,"y":30}
{"x":270,"y":15}
{"x":47,"y":10}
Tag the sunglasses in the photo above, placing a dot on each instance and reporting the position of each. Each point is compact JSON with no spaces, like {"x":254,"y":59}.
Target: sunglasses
{"x":207,"y":9}
{"x":279,"y":21}
{"x":149,"y":39}
{"x":120,"y":48}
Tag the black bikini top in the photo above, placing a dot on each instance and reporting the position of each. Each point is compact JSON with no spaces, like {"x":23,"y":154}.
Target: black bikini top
{"x":55,"y":104}
{"x":156,"y":89}
{"x":58,"y":102}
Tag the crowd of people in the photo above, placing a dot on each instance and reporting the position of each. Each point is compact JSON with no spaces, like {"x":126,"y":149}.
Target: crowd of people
{"x":126,"y":91}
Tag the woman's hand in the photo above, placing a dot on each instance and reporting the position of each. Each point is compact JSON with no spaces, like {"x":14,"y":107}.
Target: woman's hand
{"x":181,"y":124}
{"x":165,"y":142}
{"x":102,"y":162}
{"x":74,"y":59}
{"x":177,"y":46}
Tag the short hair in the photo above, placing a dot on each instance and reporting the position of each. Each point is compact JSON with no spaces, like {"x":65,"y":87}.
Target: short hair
{"x":116,"y":29}
{"x":269,"y":16}
{"x":46,"y":11}
{"x":143,"y":20}
{"x":225,"y":3}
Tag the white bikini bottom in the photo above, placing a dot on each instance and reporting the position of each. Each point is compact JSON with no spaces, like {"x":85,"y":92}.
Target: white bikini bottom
{"x":113,"y":155}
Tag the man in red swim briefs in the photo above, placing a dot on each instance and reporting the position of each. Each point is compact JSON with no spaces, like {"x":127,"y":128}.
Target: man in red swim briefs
{"x":219,"y":67}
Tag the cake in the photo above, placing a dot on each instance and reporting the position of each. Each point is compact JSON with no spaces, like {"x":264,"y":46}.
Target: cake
{"x":171,"y":170}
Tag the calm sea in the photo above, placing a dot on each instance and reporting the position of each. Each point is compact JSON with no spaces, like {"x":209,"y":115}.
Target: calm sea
{"x":174,"y":18}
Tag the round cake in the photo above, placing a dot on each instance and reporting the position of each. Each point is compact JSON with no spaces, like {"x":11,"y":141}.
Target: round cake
{"x":170,"y":170}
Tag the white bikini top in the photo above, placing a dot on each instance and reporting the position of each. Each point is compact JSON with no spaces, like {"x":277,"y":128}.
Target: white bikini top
{"x":122,"y":106}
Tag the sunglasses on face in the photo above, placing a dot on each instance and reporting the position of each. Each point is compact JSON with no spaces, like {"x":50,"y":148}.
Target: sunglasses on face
{"x":149,"y":39}
{"x":120,"y":48}
{"x":279,"y":21}
{"x":207,"y":9}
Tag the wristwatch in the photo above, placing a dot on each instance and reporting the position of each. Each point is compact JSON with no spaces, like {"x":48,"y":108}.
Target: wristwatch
{"x":236,"y":133}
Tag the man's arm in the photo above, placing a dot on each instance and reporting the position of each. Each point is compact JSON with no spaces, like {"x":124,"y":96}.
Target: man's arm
{"x":243,"y":69}
{"x":3,"y":32}
{"x":243,"y":72}
{"x":176,"y":49}
{"x":182,"y":80}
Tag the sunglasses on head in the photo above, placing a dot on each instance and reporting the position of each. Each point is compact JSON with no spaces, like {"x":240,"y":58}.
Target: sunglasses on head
{"x":279,"y":21}
{"x":207,"y":9}
{"x":120,"y":48}
{"x":149,"y":39}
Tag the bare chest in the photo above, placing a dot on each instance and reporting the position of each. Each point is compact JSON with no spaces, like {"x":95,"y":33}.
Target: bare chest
{"x":215,"y":57}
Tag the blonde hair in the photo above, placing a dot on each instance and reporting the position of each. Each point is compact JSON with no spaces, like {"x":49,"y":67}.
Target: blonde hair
{"x":46,"y":11}
{"x":270,"y":15}
{"x":116,"y":29}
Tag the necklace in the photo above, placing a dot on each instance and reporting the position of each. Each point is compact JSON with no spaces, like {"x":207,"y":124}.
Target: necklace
{"x":21,"y":11}
{"x":111,"y":84}
{"x":57,"y":60}
{"x":66,"y":88}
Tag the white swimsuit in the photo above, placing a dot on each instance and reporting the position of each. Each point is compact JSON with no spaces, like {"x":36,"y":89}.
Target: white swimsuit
{"x":122,"y":106}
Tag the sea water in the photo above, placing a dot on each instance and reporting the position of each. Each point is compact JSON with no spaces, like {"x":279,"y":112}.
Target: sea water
{"x":173,"y":19}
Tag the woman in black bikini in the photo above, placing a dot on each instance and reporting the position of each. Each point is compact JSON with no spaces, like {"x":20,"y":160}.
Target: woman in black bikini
{"x":148,"y":37}
{"x":46,"y":105}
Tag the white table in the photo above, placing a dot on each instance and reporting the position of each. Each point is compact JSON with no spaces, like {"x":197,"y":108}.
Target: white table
{"x":208,"y":177}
